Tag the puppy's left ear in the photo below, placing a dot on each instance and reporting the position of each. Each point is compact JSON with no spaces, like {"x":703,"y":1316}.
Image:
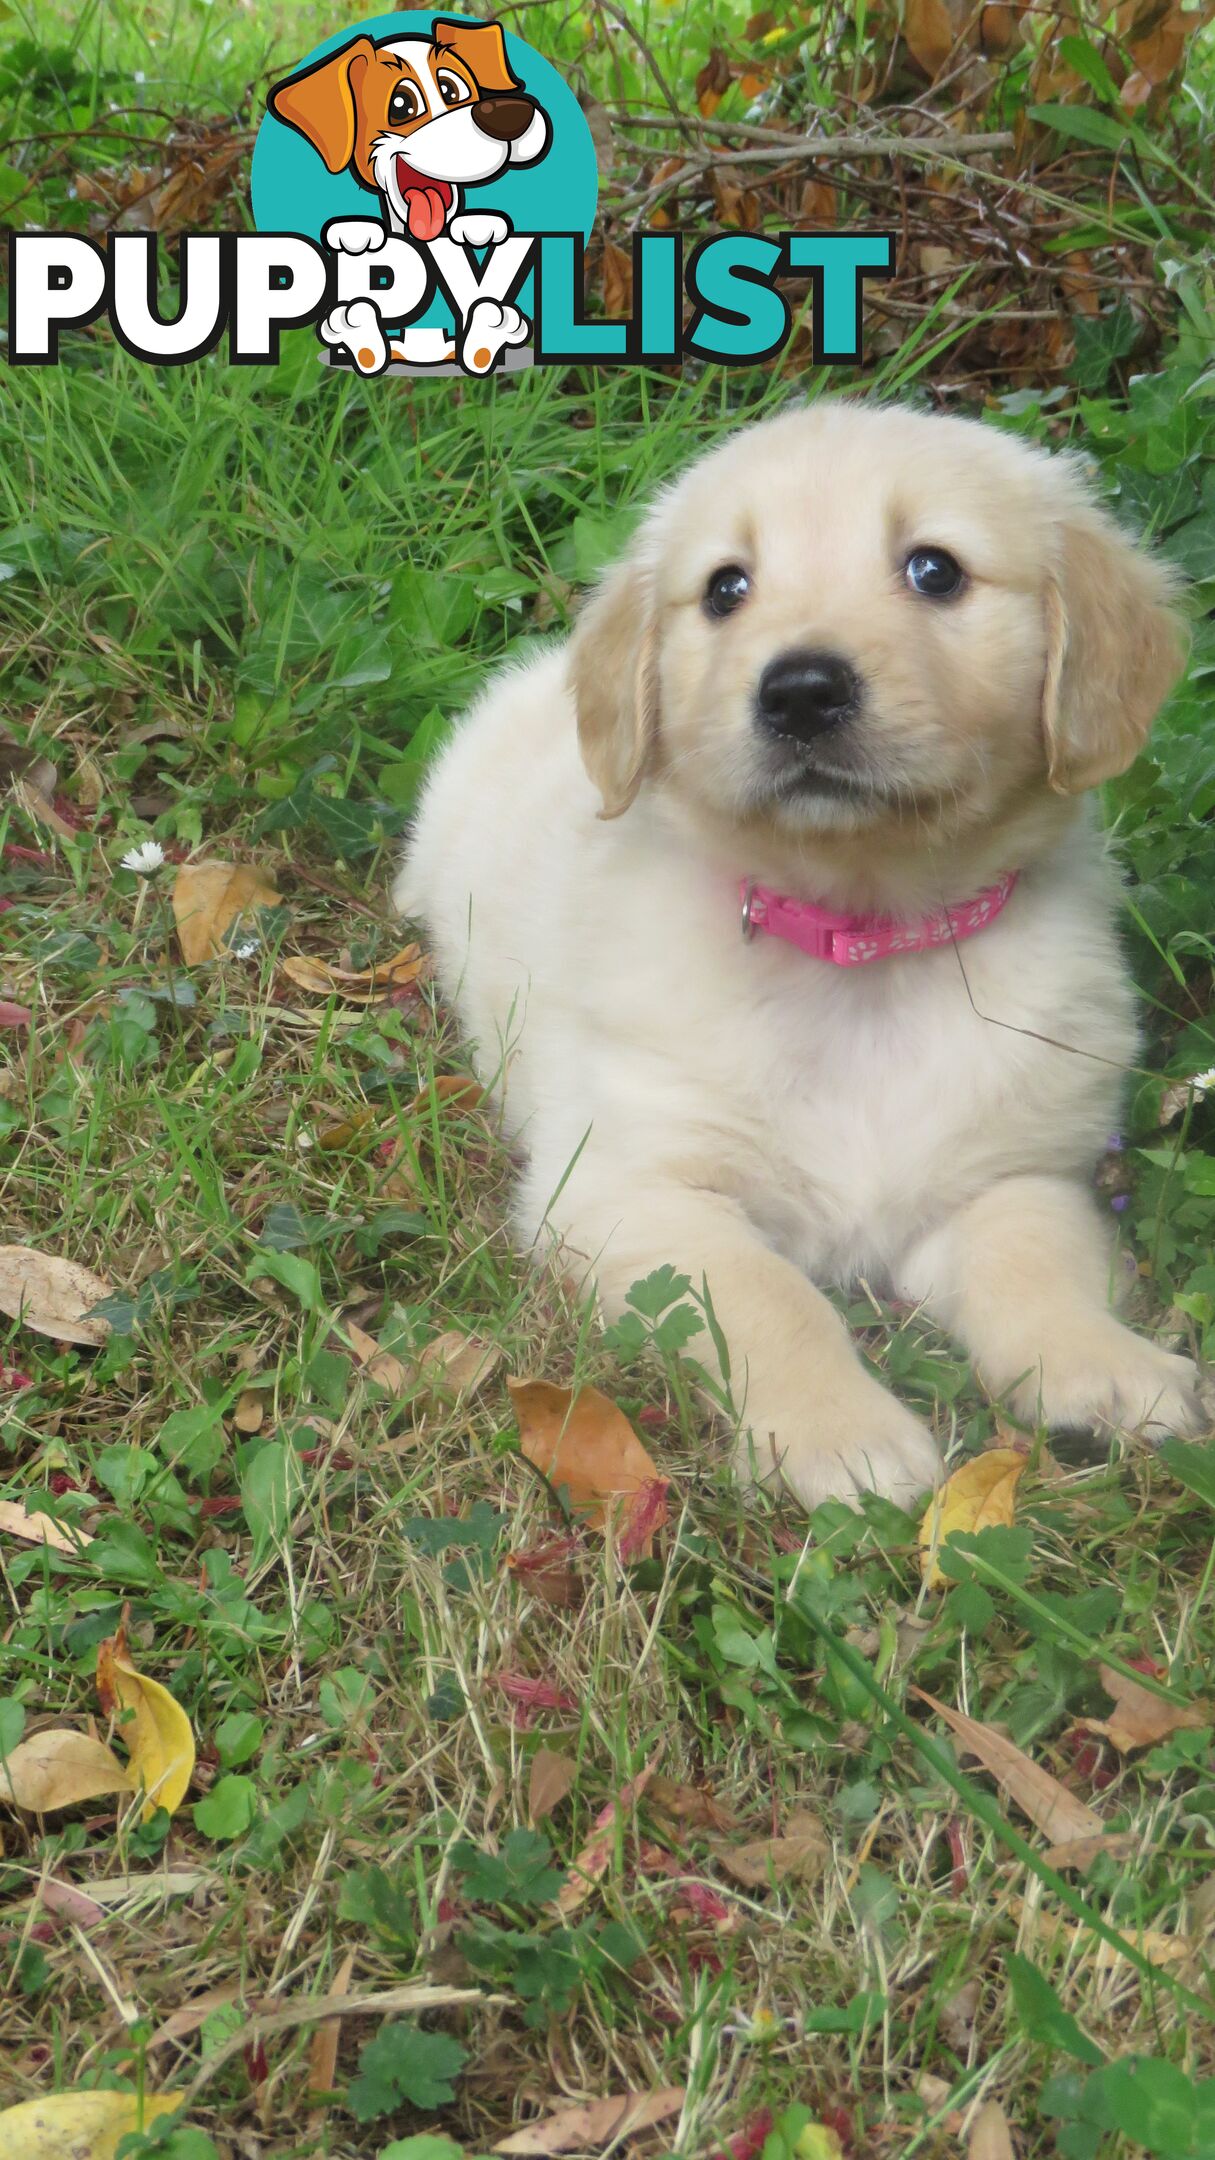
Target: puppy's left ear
{"x":482,"y":48}
{"x":321,"y":103}
{"x":1116,"y":644}
{"x":613,"y":673}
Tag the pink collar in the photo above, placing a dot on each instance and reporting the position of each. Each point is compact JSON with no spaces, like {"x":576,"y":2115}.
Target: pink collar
{"x":851,"y":940}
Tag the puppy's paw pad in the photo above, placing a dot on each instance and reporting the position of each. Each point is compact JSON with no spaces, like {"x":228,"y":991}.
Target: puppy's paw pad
{"x":354,"y":236}
{"x":358,"y":327}
{"x":479,"y":228}
{"x":491,"y":326}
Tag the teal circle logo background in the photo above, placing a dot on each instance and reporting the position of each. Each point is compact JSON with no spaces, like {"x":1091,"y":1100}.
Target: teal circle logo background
{"x":293,"y":192}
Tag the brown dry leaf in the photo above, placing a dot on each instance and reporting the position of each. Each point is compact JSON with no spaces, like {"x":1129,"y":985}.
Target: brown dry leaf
{"x":690,"y":1804}
{"x":1049,"y":1805}
{"x":989,"y":2135}
{"x":79,"y":2126}
{"x":595,"y":1858}
{"x":617,"y":280}
{"x":155,"y":1731}
{"x":250,"y":1413}
{"x":355,"y":984}
{"x":39,"y":1529}
{"x":1081,"y":1852}
{"x":712,"y":83}
{"x":583,"y":1442}
{"x":982,"y":1493}
{"x":452,"y":1091}
{"x":59,"y":1769}
{"x":929,"y":34}
{"x":39,"y":806}
{"x":1139,"y":1718}
{"x":801,"y":1852}
{"x":181,"y":2023}
{"x":208,"y":898}
{"x":456,"y":1364}
{"x":597,"y":2123}
{"x":819,"y":205}
{"x":552,"y":1776}
{"x":342,"y":1131}
{"x":379,"y":1365}
{"x":51,"y":1295}
{"x":323,"y":2047}
{"x":1101,"y":1957}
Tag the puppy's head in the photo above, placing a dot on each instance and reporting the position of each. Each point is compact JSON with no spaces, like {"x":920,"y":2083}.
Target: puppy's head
{"x":851,"y":618}
{"x":413,"y":120}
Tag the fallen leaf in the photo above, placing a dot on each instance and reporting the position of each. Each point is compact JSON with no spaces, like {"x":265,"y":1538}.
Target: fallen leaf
{"x":534,"y":1694}
{"x":79,"y":2126}
{"x":208,"y":898}
{"x":182,"y":2022}
{"x":39,"y":1529}
{"x":929,"y":34}
{"x":1081,"y":1852}
{"x":989,"y":2135}
{"x":156,"y":1736}
{"x":1049,"y":1805}
{"x":597,"y":2123}
{"x":452,"y":1091}
{"x":583,"y":1442}
{"x":1101,"y":1957}
{"x":545,"y":1571}
{"x":68,"y":1903}
{"x":982,"y":1493}
{"x":323,"y":2047}
{"x":595,"y":1858}
{"x":379,"y":1365}
{"x":617,"y":281}
{"x":14,"y":1016}
{"x":552,"y":1775}
{"x":644,"y":1515}
{"x":356,"y":985}
{"x":250,"y":1413}
{"x":51,"y":1295}
{"x":1139,"y":1718}
{"x":456,"y":1364}
{"x":801,"y":1852}
{"x":58,"y":1769}
{"x":690,"y":1804}
{"x":39,"y":806}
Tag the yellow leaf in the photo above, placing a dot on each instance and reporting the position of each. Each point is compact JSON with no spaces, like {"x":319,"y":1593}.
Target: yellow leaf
{"x":979,"y":1495}
{"x":51,"y":1295}
{"x":79,"y":2126}
{"x":157,"y":1734}
{"x":39,"y":1529}
{"x":59,"y":1769}
{"x":208,"y":898}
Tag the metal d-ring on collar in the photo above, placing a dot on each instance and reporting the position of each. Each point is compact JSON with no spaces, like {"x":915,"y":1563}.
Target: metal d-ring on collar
{"x":748,"y":927}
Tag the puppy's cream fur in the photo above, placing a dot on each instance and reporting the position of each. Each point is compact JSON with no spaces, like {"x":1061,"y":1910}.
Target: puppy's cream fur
{"x":769,"y":1121}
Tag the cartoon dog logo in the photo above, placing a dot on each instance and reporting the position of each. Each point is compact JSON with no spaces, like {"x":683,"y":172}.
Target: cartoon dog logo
{"x":417,"y":122}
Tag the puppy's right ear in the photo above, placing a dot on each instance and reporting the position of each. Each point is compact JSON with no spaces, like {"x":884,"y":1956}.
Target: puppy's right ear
{"x":321,"y":104}
{"x":613,"y":673}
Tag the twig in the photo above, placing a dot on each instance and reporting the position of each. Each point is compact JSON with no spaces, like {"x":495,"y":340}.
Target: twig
{"x":934,"y":149}
{"x":315,"y":2008}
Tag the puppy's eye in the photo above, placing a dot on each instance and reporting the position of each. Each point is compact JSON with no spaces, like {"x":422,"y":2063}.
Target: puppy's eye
{"x":934,"y":573}
{"x":726,"y":590}
{"x":405,"y":104}
{"x":452,"y":88}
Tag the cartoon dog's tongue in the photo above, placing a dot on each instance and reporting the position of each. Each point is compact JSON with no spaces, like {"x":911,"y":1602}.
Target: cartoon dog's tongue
{"x":427,"y":201}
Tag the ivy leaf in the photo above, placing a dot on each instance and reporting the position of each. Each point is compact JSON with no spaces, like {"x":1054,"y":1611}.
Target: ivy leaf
{"x":518,"y":1875}
{"x":403,"y":2064}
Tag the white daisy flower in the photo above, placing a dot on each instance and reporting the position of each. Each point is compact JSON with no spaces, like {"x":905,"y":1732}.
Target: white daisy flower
{"x":145,"y":859}
{"x":1203,"y":1082}
{"x":246,"y":949}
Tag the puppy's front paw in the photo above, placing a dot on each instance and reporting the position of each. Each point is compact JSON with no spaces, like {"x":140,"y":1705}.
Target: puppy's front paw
{"x":359,"y":328}
{"x":1112,"y":1380}
{"x":491,"y":325}
{"x":479,"y":228}
{"x":354,"y":236}
{"x":867,"y":1442}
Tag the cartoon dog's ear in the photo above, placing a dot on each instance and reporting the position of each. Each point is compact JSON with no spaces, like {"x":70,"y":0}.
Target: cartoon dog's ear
{"x":322,"y":102}
{"x":482,"y":48}
{"x":613,"y":673}
{"x":1115,"y":646}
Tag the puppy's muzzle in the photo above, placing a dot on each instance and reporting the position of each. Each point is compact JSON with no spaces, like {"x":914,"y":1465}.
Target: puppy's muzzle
{"x":503,"y":119}
{"x":803,"y":694}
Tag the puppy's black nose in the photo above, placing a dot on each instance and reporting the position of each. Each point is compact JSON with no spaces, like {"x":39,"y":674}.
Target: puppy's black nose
{"x":802,"y":694}
{"x":504,"y":118}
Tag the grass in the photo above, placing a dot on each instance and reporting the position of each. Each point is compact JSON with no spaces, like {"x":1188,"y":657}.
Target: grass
{"x":237,"y":608}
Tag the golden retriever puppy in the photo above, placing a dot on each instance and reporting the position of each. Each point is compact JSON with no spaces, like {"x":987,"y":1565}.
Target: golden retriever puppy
{"x":773,"y":907}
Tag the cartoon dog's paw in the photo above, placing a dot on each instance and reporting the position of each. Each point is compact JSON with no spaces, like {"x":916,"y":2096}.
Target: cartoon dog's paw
{"x":479,"y":228}
{"x":491,"y":325}
{"x":354,"y":236}
{"x":358,"y":326}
